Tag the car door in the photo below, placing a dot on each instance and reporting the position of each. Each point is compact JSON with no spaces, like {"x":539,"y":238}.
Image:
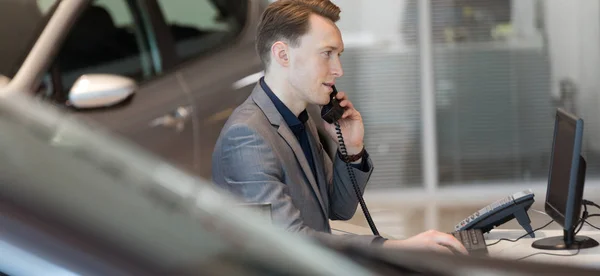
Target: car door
{"x":213,"y":42}
{"x":111,"y":42}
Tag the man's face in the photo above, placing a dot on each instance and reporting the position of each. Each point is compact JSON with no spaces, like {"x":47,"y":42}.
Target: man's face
{"x":315,"y":64}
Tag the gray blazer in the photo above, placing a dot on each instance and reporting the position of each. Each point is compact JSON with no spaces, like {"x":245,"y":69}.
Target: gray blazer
{"x":258,"y":159}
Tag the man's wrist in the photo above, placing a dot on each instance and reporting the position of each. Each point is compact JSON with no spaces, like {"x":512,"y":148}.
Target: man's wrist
{"x":378,"y":241}
{"x":357,"y":162}
{"x":353,"y":150}
{"x":354,"y":158}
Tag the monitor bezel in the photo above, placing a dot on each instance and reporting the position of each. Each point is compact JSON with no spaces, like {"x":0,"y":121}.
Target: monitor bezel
{"x":573,"y":208}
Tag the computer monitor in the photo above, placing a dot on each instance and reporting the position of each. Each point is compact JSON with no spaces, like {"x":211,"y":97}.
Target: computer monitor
{"x":566,"y":180}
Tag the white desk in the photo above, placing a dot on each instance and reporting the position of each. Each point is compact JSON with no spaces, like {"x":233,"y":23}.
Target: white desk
{"x":514,"y":250}
{"x":339,"y":227}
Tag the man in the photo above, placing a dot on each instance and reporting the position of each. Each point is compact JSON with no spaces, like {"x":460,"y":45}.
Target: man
{"x":269,"y":150}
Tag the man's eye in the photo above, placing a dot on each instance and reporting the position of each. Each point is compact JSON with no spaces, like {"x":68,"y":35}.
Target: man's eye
{"x":327,"y":53}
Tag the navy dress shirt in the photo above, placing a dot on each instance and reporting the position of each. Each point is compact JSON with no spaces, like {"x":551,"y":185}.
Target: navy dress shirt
{"x":296,"y":124}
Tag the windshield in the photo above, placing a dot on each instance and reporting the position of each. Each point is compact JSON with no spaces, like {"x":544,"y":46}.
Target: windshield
{"x":23,"y":21}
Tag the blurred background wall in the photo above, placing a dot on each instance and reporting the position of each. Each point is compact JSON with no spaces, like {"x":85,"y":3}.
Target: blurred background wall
{"x":500,"y":69}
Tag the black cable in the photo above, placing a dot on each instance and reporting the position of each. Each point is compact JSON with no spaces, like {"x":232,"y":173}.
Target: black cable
{"x":582,"y":219}
{"x":588,"y":223}
{"x":552,"y":254}
{"x":587,"y":202}
{"x":363,"y":205}
{"x":591,"y":216}
{"x":586,"y":216}
{"x":596,"y":227}
{"x":526,"y":234}
{"x":541,"y":253}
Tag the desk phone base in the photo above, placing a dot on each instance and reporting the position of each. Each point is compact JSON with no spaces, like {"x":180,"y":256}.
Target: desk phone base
{"x":501,"y":211}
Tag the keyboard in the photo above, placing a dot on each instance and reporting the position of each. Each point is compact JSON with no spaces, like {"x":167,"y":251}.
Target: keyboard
{"x":473,"y":241}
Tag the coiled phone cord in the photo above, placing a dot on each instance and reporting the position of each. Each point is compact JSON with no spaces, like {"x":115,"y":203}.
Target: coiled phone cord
{"x":363,"y":205}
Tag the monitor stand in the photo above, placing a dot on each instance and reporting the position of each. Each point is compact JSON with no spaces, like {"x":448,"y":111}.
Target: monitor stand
{"x":560,"y":243}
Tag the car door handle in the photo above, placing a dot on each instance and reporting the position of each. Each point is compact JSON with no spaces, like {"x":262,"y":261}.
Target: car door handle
{"x":175,"y":119}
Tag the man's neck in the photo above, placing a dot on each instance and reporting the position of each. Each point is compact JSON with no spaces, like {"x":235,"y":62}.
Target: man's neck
{"x":285,"y":92}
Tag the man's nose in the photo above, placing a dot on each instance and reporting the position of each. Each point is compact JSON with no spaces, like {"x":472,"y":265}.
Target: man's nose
{"x":336,"y":68}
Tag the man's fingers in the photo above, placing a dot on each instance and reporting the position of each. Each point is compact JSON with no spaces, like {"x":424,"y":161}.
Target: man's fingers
{"x":441,"y":249}
{"x":451,"y":241}
{"x":348,"y":113}
{"x":347,"y":104}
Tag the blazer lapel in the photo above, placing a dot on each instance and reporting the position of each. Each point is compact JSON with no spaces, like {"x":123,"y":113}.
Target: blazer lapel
{"x":291,"y":140}
{"x":313,"y":138}
{"x":266,"y":105}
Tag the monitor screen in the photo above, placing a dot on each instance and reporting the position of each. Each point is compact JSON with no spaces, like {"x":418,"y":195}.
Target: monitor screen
{"x":561,"y":193}
{"x":561,"y":165}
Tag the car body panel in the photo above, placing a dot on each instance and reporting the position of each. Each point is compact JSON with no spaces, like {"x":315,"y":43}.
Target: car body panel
{"x":203,"y":87}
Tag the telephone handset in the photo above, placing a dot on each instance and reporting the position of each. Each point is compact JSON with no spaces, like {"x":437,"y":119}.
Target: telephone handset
{"x":500,"y":212}
{"x":331,"y":113}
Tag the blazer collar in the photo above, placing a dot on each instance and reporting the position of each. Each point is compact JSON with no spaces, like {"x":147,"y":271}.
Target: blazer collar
{"x":260,"y":97}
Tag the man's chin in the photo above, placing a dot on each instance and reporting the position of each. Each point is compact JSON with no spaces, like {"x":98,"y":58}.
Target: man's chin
{"x":327,"y":98}
{"x":324,"y":102}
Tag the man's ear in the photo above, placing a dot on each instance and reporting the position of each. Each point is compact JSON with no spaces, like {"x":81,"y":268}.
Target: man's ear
{"x":280,"y":53}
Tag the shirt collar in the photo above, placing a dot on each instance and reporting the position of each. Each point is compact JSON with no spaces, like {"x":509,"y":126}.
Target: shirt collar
{"x":290,"y":119}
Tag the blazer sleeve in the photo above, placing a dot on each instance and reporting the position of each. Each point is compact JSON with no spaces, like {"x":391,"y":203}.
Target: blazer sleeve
{"x":247,"y":167}
{"x":341,"y":191}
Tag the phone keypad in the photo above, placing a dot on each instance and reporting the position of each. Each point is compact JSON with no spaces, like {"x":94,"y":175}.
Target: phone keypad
{"x":515,"y":198}
{"x":498,"y":204}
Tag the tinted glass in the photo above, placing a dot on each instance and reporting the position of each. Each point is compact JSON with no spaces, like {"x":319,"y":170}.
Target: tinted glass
{"x":22,"y":22}
{"x":106,"y":39}
{"x":202,"y":25}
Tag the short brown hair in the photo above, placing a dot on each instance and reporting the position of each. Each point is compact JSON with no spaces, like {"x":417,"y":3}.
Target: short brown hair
{"x":289,"y":20}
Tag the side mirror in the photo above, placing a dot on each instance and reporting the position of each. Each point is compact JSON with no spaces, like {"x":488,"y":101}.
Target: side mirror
{"x":4,"y":80}
{"x":100,"y":90}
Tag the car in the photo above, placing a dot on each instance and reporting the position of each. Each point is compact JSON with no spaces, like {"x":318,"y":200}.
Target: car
{"x":163,"y":74}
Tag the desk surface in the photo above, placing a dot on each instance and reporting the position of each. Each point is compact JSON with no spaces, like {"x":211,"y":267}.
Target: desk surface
{"x":589,"y":257}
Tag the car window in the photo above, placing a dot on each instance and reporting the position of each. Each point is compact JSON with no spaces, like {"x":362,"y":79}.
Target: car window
{"x":22,"y":22}
{"x":202,"y":25}
{"x":106,"y":39}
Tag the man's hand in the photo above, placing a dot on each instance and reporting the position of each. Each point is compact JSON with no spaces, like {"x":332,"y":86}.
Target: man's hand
{"x":430,"y":240}
{"x":351,"y":124}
